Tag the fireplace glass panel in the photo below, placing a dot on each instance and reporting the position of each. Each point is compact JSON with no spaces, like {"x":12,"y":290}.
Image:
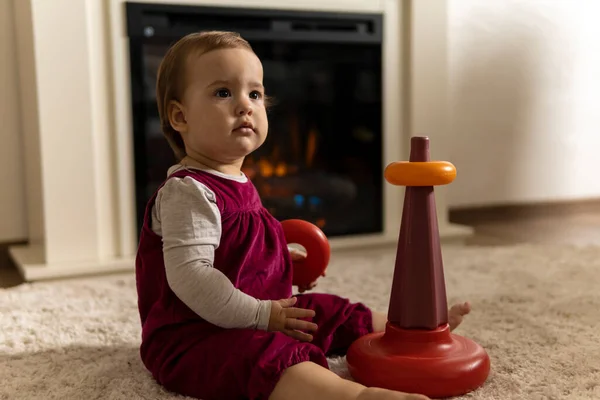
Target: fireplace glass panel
{"x":322,"y":160}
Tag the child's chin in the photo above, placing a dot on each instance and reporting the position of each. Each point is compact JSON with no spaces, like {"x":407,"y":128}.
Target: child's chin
{"x":246,"y":147}
{"x":241,"y":152}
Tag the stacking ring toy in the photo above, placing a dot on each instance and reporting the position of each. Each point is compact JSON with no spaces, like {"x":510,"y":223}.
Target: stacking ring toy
{"x":317,"y":248}
{"x":417,"y":353}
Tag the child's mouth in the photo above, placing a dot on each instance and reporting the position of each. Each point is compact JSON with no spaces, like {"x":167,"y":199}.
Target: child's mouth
{"x":244,"y":130}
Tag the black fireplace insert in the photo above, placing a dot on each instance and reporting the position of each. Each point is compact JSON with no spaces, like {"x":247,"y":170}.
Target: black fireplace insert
{"x":322,"y":160}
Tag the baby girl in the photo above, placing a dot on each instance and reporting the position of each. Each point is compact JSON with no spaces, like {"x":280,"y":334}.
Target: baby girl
{"x":214,"y":272}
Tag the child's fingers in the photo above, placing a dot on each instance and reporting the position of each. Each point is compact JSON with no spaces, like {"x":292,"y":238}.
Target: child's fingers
{"x":300,"y":325}
{"x":294,"y":312}
{"x":285,"y":303}
{"x":304,"y":288}
{"x":297,"y":254}
{"x":305,"y":337}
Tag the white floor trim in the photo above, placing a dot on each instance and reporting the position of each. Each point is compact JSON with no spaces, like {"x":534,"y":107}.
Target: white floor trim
{"x":30,"y":263}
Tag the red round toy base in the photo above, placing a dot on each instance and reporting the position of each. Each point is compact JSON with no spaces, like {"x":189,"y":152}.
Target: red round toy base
{"x":435,"y":363}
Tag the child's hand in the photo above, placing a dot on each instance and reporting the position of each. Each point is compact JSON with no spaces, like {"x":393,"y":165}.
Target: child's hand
{"x":297,"y":254}
{"x":300,"y":255}
{"x":305,"y":288}
{"x":284,"y":318}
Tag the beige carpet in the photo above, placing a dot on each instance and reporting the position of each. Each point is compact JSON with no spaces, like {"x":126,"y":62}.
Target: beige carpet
{"x":535,"y":309}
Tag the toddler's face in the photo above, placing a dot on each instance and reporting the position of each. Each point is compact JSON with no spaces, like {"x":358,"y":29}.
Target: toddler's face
{"x":223,"y":105}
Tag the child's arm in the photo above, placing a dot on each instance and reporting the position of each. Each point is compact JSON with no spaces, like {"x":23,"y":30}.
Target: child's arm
{"x":187,"y":218}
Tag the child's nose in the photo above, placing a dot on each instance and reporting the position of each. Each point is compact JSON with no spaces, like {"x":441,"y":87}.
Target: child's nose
{"x":244,"y":107}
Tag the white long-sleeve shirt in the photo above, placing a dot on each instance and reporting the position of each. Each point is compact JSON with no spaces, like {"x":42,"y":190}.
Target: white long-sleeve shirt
{"x":186,"y":216}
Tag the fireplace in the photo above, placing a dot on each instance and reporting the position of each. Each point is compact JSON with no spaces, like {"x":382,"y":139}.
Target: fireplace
{"x":323,"y":158}
{"x":94,"y":228}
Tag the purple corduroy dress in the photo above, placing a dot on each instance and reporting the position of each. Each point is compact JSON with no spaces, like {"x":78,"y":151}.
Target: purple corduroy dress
{"x":192,"y":357}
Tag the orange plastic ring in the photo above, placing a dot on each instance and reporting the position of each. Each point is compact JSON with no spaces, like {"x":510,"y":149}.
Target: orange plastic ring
{"x":426,"y":173}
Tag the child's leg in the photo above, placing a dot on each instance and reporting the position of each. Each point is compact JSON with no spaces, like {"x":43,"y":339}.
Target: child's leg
{"x":308,"y":380}
{"x":340,"y":321}
{"x":229,"y":364}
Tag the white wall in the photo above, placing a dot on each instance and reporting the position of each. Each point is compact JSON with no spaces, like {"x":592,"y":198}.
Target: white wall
{"x":524,"y":96}
{"x":525,"y":100}
{"x":12,"y":192}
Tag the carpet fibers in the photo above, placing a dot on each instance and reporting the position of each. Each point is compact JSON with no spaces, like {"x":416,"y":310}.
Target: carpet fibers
{"x":536,"y":310}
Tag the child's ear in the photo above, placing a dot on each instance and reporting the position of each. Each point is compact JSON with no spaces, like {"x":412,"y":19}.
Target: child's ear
{"x":176,"y":113}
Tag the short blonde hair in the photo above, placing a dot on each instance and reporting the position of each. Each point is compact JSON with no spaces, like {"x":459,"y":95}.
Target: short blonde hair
{"x":170,"y":82}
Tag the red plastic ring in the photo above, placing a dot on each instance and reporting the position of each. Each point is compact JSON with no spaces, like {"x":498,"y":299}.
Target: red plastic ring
{"x":318,"y":252}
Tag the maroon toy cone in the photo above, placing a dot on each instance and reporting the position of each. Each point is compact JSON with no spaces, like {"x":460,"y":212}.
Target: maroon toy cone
{"x":418,"y":297}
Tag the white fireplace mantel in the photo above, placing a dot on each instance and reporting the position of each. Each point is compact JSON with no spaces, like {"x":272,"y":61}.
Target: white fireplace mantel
{"x":73,"y":59}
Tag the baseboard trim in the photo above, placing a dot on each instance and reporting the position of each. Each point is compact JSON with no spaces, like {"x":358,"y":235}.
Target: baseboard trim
{"x":491,"y":213}
{"x":32,"y":267}
{"x":5,"y":259}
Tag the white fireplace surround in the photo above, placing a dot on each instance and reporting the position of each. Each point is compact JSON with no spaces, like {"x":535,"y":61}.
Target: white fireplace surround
{"x":74,"y":80}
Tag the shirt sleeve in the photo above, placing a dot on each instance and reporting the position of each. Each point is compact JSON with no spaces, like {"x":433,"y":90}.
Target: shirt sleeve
{"x":186,"y":216}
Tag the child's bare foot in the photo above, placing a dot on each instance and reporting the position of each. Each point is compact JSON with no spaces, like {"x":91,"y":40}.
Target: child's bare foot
{"x":383,"y":394}
{"x":455,"y":317}
{"x":379,"y":321}
{"x":456,"y":314}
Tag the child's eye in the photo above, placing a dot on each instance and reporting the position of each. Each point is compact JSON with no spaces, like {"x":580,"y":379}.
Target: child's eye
{"x":222,"y":93}
{"x":256,"y":95}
